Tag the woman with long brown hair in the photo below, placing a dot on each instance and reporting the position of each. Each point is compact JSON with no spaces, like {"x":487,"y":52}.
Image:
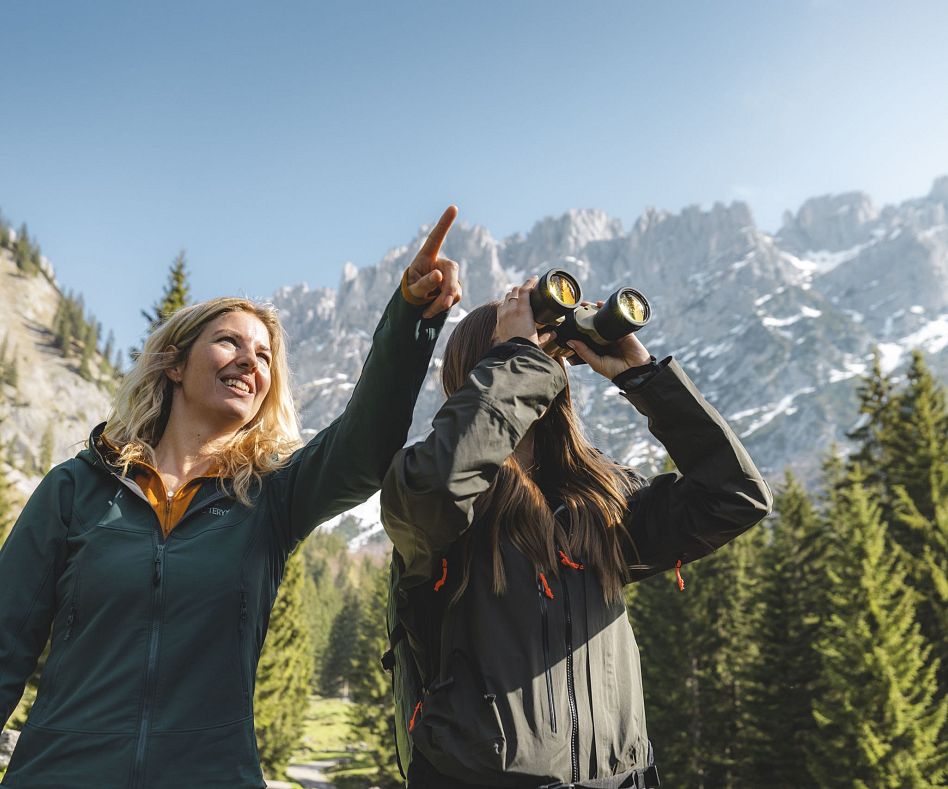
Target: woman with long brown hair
{"x":514,"y":538}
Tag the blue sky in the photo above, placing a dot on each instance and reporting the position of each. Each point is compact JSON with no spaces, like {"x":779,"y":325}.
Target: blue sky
{"x":276,"y":140}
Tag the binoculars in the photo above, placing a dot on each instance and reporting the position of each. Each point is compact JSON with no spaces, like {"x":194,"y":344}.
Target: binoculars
{"x":555,"y":303}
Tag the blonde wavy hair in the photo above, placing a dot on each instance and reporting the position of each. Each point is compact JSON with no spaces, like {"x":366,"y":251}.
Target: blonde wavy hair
{"x":143,"y":402}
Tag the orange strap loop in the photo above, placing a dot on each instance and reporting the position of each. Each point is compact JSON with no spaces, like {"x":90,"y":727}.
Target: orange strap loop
{"x":414,"y":716}
{"x":681,"y":581}
{"x":444,"y":575}
{"x":546,"y":587}
{"x":564,"y":559}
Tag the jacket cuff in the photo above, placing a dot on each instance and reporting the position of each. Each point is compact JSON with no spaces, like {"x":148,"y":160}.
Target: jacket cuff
{"x":407,"y":294}
{"x":404,"y":320}
{"x":635,"y":377}
{"x":509,"y":347}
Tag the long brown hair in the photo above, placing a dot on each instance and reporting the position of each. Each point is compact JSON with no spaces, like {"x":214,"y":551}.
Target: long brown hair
{"x":593,"y":489}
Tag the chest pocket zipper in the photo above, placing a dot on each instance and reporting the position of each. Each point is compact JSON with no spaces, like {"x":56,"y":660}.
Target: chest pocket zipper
{"x":544,"y":622}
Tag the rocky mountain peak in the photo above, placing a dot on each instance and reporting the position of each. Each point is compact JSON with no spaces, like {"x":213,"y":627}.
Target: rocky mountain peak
{"x":572,"y":231}
{"x":939,"y":190}
{"x":830,"y":222}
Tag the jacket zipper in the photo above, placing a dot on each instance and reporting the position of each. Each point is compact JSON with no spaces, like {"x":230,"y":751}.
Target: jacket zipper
{"x":571,"y":687}
{"x":138,"y":774}
{"x":240,"y":636}
{"x":546,"y":657}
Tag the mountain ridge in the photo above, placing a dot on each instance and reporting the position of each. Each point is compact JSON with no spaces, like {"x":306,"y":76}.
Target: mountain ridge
{"x":775,"y":328}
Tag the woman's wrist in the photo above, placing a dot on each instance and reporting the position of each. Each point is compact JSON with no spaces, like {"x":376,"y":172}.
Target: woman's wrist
{"x":415,"y":301}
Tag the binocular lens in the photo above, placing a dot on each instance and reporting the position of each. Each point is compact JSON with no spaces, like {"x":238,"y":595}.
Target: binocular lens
{"x":556,"y":294}
{"x":563,"y":289}
{"x":625,"y":311}
{"x":631,"y":306}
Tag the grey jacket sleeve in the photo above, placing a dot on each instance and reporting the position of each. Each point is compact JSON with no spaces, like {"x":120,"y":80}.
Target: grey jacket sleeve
{"x":31,"y":561}
{"x":344,"y":463}
{"x":429,"y":492}
{"x":718,"y":494}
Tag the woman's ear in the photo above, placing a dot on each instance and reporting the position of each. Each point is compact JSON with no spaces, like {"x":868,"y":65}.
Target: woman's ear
{"x":174,"y":373}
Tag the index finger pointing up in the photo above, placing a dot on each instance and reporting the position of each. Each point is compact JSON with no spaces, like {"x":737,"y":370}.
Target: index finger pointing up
{"x":432,"y":245}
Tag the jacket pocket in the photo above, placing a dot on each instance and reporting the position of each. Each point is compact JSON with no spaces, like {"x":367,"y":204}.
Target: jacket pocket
{"x":57,"y":657}
{"x":460,"y":726}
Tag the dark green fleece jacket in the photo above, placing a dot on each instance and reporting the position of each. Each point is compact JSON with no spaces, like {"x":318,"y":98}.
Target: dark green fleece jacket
{"x":543,"y":684}
{"x":155,"y":642}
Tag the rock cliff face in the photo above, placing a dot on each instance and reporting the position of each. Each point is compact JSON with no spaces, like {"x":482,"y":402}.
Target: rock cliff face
{"x":50,"y":397}
{"x":775,"y":329}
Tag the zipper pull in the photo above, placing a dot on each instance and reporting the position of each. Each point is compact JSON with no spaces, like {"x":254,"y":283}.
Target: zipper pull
{"x":158,"y":553}
{"x":69,"y":623}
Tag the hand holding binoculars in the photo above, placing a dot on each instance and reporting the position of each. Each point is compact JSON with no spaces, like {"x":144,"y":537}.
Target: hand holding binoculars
{"x":555,"y":301}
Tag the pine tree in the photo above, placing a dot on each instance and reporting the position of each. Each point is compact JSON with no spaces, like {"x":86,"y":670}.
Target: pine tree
{"x":785,"y":676}
{"x":873,"y":434}
{"x":372,"y":716}
{"x":879,"y":711}
{"x":108,"y":350}
{"x":23,"y":254}
{"x":323,"y":551}
{"x":65,"y":337}
{"x":88,"y":349}
{"x":930,"y":566}
{"x":697,"y":648}
{"x":336,"y":671}
{"x":919,"y":445}
{"x":283,"y":674}
{"x":177,"y":293}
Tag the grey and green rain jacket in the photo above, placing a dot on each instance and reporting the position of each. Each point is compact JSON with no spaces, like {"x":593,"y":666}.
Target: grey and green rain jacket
{"x":540,"y":686}
{"x":150,"y":677}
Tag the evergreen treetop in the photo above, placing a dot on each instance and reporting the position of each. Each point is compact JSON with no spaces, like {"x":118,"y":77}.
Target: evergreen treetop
{"x":176,"y":294}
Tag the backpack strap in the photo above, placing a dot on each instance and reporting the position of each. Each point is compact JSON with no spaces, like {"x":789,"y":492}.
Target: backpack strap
{"x":414,"y":617}
{"x":394,"y":638}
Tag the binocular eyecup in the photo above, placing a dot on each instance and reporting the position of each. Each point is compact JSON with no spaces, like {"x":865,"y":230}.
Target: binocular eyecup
{"x":556,"y":306}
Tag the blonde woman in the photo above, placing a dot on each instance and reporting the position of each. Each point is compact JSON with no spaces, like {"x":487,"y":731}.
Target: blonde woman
{"x":514,"y":538}
{"x":155,"y":555}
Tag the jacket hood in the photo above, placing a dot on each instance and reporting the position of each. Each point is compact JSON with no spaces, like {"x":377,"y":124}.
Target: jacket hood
{"x":98,"y":453}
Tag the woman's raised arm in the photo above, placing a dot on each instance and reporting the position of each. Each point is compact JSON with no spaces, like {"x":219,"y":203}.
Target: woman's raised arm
{"x":717,"y":493}
{"x":429,"y":492}
{"x":344,"y":463}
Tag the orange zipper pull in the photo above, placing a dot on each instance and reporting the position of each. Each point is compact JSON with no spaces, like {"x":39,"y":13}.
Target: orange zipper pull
{"x":444,"y":575}
{"x":546,"y":587}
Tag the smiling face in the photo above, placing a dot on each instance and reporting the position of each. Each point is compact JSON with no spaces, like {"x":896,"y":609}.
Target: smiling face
{"x":226,"y":376}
